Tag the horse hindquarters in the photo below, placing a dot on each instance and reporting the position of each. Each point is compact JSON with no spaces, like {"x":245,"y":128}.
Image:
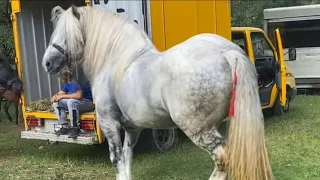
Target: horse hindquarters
{"x":198,"y":104}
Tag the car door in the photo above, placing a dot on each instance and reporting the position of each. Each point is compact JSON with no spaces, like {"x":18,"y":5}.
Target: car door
{"x":282,"y":75}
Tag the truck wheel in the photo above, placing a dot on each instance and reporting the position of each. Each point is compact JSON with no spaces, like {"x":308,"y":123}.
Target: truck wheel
{"x":165,"y":139}
{"x":162,"y":140}
{"x":287,"y":105}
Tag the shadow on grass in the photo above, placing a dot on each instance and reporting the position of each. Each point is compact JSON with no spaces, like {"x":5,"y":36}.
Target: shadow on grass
{"x":13,"y":146}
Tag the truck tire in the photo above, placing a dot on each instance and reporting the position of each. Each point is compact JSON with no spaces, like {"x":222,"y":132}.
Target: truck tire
{"x":287,"y":105}
{"x":165,"y":140}
{"x":161,"y":140}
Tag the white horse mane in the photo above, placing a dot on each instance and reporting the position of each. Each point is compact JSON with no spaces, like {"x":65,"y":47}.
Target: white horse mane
{"x":100,"y":39}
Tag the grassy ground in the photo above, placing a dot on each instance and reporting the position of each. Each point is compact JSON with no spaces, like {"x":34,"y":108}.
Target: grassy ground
{"x":293,"y":142}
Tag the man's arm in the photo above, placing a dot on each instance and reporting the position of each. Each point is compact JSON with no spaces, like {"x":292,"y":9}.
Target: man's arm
{"x":61,"y":92}
{"x":54,"y":97}
{"x":76,"y":95}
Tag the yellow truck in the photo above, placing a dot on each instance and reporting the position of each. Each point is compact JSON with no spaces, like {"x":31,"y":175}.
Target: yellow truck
{"x":277,"y":86}
{"x":166,"y":22}
{"x":160,"y":19}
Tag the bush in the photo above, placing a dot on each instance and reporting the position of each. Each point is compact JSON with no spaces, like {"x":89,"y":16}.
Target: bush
{"x":6,"y":35}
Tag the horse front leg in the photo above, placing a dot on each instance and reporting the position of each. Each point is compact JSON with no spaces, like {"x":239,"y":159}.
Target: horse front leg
{"x":110,"y":125}
{"x":130,"y":140}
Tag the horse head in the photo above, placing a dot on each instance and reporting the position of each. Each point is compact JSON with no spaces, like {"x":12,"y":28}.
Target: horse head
{"x":9,"y":78}
{"x":66,"y":43}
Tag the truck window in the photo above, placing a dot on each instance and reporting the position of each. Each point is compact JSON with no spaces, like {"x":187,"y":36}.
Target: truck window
{"x":298,"y":34}
{"x":260,"y":46}
{"x":239,"y":39}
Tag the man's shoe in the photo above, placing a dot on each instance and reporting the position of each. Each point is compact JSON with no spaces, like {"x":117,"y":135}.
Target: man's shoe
{"x":74,"y":132}
{"x":62,"y":131}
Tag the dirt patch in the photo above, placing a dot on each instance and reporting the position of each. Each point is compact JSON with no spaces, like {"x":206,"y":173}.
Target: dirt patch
{"x":4,"y":160}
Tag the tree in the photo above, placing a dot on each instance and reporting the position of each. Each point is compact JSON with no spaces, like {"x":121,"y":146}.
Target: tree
{"x":250,"y":12}
{"x":6,"y":35}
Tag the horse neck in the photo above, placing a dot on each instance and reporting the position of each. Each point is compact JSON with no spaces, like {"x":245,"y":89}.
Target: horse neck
{"x":112,"y":42}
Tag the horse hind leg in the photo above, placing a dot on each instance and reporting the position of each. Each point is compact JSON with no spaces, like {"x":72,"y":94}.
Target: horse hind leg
{"x":6,"y":110}
{"x":211,"y":141}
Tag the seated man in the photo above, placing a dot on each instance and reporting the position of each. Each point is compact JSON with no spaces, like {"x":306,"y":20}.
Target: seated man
{"x":73,"y":99}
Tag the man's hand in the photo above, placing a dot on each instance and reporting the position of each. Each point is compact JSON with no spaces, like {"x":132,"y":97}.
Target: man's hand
{"x":58,"y":97}
{"x":53,"y":99}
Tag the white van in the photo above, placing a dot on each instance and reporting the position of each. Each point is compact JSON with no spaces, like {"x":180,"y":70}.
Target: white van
{"x":300,"y":29}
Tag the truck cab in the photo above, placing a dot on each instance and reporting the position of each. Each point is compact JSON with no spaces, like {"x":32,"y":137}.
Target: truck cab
{"x":277,"y":87}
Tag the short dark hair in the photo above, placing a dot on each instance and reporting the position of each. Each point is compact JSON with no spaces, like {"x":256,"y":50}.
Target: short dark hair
{"x":65,"y":74}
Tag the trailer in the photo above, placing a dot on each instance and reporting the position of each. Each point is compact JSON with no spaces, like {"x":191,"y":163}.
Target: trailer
{"x":166,"y":22}
{"x":299,"y":27}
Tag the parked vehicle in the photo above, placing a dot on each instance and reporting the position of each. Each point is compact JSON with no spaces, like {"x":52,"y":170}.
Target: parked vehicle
{"x":299,"y":27}
{"x":277,"y":85}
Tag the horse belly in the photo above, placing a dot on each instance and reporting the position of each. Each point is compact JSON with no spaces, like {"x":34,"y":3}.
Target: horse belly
{"x":141,"y":111}
{"x":159,"y":122}
{"x":148,"y":118}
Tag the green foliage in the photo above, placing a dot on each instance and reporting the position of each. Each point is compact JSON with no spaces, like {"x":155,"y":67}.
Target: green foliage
{"x":250,"y":12}
{"x":6,"y":35}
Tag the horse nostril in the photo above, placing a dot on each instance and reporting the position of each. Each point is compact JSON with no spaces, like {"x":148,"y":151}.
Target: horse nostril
{"x":48,"y":64}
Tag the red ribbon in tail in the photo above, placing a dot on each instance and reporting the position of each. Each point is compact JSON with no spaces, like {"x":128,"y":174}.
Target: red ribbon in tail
{"x":231,"y":108}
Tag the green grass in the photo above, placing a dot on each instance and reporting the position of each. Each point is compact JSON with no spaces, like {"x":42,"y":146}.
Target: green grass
{"x":293,"y":142}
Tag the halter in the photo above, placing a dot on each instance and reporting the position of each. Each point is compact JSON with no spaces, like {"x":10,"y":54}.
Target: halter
{"x":62,"y":51}
{"x":9,"y":83}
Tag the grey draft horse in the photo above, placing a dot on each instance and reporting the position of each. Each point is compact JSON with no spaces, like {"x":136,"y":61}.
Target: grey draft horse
{"x":194,"y":86}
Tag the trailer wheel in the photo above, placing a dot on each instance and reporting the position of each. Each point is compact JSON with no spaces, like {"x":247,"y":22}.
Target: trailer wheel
{"x":165,"y":139}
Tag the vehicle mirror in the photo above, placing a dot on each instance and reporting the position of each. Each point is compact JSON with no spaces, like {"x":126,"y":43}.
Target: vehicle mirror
{"x":292,"y":54}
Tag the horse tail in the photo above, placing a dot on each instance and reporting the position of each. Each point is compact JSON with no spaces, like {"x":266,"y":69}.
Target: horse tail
{"x":246,"y":149}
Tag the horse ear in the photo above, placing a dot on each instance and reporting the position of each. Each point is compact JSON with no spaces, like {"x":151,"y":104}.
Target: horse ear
{"x":56,"y":11}
{"x":75,"y":11}
{"x":55,"y":14}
